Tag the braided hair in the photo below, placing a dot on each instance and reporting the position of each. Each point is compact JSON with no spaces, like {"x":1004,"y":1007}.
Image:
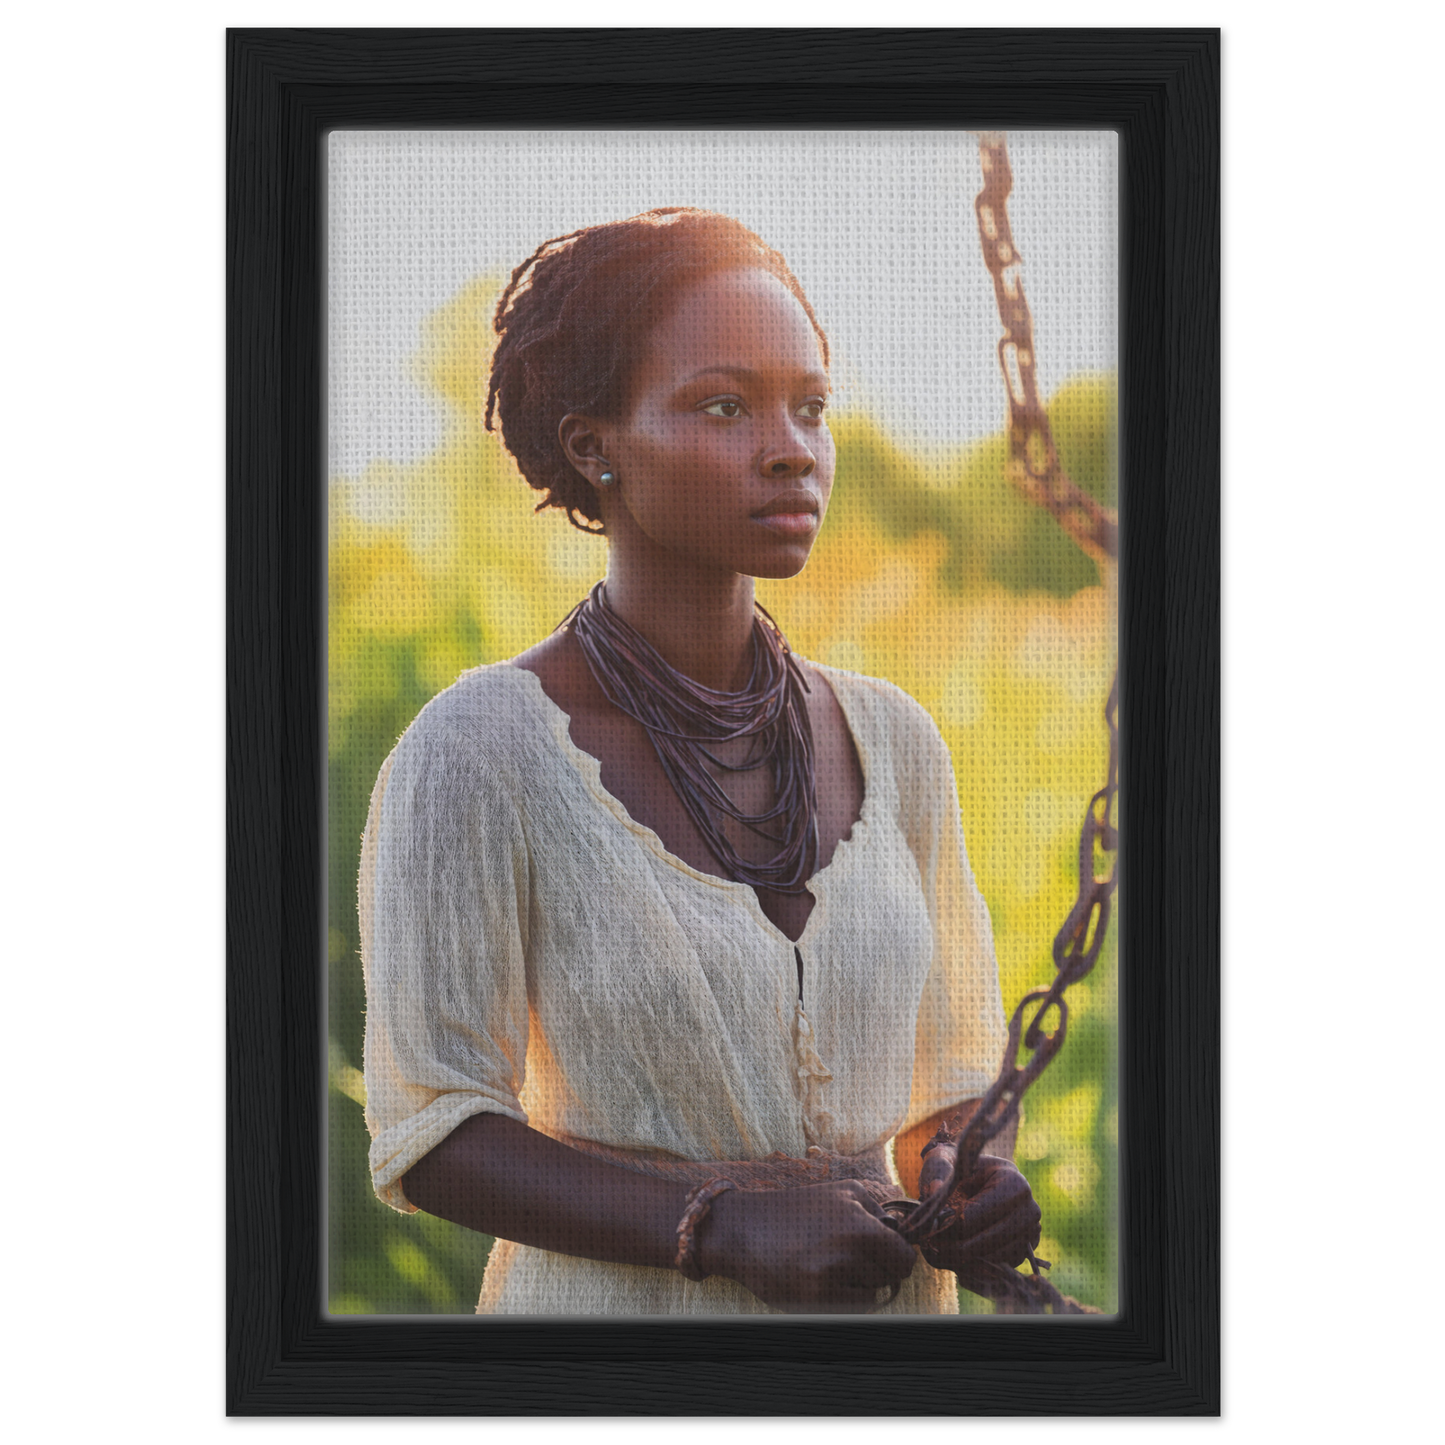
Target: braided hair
{"x":575,"y":317}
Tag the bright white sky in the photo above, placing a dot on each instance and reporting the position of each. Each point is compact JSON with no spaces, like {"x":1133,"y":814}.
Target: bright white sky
{"x":877,"y":225}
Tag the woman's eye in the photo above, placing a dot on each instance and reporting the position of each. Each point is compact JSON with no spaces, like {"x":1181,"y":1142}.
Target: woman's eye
{"x":812,"y":409}
{"x":724,"y":406}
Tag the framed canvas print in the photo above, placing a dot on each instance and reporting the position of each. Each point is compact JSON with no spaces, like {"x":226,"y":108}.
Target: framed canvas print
{"x":728,"y":550}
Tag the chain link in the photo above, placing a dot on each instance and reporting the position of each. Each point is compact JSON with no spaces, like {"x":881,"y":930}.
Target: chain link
{"x":1034,"y":468}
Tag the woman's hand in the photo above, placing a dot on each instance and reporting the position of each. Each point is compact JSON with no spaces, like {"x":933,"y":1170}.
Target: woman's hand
{"x":997,"y":1224}
{"x":822,"y":1248}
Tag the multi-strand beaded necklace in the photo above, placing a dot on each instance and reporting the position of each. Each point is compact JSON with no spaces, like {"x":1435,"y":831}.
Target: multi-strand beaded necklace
{"x":686,"y":720}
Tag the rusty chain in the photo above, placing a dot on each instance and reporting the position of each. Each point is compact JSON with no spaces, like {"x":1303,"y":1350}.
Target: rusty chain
{"x":1034,"y":468}
{"x":1033,"y":464}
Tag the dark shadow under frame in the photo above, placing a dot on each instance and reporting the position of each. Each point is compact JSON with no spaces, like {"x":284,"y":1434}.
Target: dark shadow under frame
{"x":1160,"y":90}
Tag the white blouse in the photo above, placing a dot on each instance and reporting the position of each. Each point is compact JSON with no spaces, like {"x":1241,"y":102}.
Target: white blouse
{"x":532,"y":950}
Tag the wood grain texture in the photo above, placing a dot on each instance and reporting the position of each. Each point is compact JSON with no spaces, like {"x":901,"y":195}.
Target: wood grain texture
{"x":1160,"y":91}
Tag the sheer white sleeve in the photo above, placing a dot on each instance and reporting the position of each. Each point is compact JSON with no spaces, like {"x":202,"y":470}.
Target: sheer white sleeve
{"x":443,"y":908}
{"x":961,"y":1025}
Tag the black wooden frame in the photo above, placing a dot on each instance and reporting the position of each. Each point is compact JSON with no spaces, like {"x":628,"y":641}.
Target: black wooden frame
{"x":1160,"y":90}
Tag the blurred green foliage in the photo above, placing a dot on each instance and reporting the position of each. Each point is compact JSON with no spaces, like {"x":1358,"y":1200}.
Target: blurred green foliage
{"x":931,"y":571}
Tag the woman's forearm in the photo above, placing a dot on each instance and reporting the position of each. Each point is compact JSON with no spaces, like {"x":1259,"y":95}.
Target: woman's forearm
{"x":499,"y":1177}
{"x":817,"y":1247}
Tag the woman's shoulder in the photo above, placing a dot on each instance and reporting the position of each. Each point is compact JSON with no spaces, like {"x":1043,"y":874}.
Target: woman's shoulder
{"x":492,"y":716}
{"x":895,"y":719}
{"x":900,"y":742}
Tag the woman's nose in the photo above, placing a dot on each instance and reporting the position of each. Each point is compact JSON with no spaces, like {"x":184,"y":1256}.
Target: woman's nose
{"x":789,"y":456}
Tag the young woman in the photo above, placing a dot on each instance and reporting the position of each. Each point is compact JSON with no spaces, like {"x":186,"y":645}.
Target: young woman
{"x":670,"y":937}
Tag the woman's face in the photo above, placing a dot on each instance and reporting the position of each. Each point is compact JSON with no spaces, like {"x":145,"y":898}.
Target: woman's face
{"x":724,"y":459}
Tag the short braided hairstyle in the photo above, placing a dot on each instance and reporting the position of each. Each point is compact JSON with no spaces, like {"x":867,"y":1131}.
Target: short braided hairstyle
{"x":573,"y":321}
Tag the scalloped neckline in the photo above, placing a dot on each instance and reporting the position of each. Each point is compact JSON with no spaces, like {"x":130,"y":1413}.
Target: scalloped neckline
{"x":590,"y":769}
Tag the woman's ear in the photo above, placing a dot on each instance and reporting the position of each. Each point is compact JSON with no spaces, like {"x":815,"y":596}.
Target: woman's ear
{"x":583,"y":445}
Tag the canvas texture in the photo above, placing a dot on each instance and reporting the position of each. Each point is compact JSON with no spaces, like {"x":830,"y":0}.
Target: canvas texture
{"x":505,"y":937}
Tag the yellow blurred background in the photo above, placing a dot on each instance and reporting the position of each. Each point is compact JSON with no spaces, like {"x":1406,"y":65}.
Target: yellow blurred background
{"x":930,"y":572}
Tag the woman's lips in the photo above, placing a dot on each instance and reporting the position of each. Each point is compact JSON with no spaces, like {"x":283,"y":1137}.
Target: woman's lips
{"x":790,"y":524}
